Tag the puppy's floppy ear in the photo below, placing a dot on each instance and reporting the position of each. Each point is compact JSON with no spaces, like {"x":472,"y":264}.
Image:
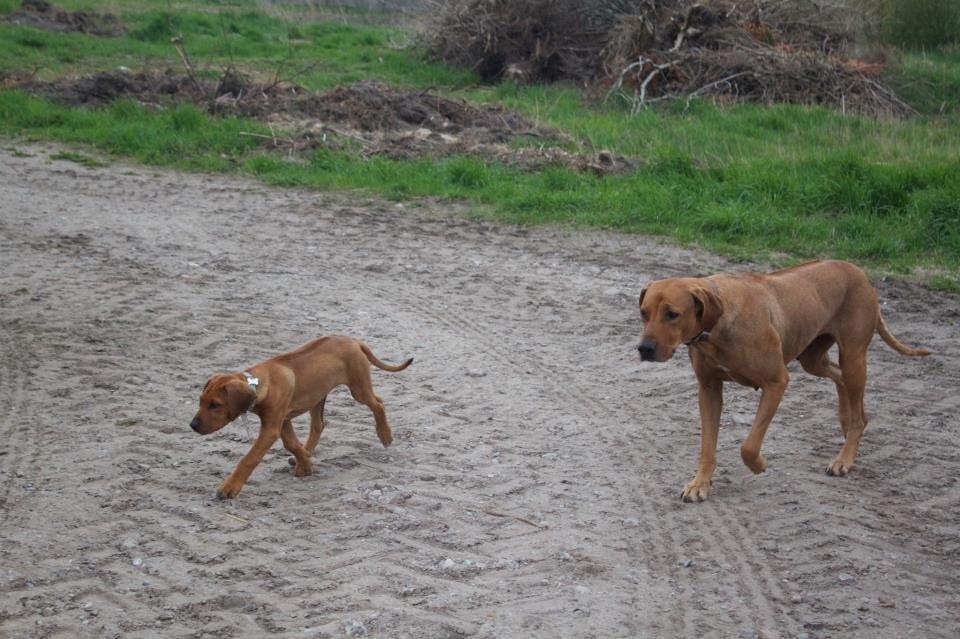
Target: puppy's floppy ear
{"x":709,"y":306}
{"x":642,"y":293}
{"x":239,"y":397}
{"x":205,"y":385}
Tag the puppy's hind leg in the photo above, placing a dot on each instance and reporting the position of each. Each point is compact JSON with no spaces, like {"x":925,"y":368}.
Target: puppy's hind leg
{"x":361,"y":387}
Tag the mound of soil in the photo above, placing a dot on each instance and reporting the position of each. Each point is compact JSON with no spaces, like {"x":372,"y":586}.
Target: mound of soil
{"x":40,"y":14}
{"x":372,"y":116}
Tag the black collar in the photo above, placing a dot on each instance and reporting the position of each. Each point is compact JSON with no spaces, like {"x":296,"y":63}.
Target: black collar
{"x":702,"y":336}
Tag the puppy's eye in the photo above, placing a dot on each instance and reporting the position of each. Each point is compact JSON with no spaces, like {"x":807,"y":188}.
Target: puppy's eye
{"x":214,"y":405}
{"x":671,"y":315}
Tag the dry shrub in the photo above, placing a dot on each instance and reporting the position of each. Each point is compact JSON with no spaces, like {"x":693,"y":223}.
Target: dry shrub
{"x":800,"y":51}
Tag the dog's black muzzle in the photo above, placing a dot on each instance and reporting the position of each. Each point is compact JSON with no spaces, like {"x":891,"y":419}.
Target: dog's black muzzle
{"x":647,"y":350}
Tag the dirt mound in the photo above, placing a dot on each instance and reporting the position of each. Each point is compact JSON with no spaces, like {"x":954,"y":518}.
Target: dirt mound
{"x":766,"y":51}
{"x":372,"y":117}
{"x":40,"y":14}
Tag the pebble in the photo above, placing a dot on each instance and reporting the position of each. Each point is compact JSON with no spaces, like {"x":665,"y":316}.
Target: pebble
{"x":846,"y":579}
{"x":354,"y":628}
{"x":137,"y":561}
{"x":447,"y":563}
{"x":631,"y":521}
{"x":475,"y":372}
{"x":687,"y":563}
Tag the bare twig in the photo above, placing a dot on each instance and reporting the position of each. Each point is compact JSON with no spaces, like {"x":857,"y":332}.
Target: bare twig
{"x":182,"y":51}
{"x":711,"y":85}
{"x":494,"y":513}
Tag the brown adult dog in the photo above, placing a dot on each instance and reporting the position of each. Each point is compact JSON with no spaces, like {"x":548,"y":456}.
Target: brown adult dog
{"x":745,"y":328}
{"x":284,"y":387}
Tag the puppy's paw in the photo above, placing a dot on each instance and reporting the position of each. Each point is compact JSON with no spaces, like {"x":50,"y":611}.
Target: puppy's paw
{"x":839,"y":468}
{"x":227,"y":491}
{"x":696,"y":490}
{"x":386,"y":439}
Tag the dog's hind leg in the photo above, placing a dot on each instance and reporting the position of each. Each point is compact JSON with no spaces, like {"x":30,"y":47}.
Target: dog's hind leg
{"x":302,"y":466}
{"x":816,"y":361}
{"x":853,"y":366}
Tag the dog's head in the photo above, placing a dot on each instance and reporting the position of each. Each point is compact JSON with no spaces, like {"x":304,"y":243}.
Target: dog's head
{"x":223,"y":399}
{"x":675,"y":311}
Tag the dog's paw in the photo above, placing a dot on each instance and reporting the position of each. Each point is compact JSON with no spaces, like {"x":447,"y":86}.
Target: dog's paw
{"x":757,"y":464}
{"x":696,"y":490}
{"x":302,"y":470}
{"x":838,"y":468}
{"x":225,"y":491}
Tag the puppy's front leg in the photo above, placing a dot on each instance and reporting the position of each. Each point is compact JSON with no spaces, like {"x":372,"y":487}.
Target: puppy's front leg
{"x":711,"y":403}
{"x":270,"y":426}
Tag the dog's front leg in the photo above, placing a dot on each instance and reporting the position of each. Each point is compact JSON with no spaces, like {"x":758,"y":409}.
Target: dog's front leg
{"x":711,"y":403}
{"x":269,"y":433}
{"x":770,"y":398}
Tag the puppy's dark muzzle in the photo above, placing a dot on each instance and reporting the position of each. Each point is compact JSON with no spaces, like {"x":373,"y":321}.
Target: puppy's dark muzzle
{"x":195,"y":424}
{"x":647,"y":350}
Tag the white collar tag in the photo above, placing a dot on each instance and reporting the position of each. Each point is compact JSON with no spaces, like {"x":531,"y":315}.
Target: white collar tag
{"x":253,"y":383}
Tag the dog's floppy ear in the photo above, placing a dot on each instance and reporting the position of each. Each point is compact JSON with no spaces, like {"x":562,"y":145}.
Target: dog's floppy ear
{"x":642,"y":293}
{"x":709,"y":307}
{"x":239,"y":397}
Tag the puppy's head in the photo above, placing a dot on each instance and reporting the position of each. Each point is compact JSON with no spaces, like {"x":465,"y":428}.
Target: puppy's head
{"x":675,"y":311}
{"x":223,"y":399}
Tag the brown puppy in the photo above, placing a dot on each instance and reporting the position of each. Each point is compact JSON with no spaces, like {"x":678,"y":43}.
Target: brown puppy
{"x":745,"y":328}
{"x":284,"y":387}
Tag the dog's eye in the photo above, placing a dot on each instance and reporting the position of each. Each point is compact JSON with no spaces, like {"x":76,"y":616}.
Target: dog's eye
{"x":671,"y":315}
{"x":214,"y":405}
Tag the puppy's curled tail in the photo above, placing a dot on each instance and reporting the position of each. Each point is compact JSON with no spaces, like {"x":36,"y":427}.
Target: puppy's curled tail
{"x":376,"y":362}
{"x":896,"y":344}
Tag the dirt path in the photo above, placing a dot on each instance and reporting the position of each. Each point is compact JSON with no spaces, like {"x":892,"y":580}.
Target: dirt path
{"x":532,"y":489}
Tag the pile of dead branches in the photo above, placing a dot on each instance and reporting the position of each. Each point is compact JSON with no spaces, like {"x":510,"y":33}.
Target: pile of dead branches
{"x":644,"y":51}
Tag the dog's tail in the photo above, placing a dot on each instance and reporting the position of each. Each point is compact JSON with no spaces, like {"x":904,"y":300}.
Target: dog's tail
{"x":896,"y":344}
{"x":376,"y":362}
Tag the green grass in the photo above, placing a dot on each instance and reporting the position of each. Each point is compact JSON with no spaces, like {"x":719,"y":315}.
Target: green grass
{"x":784,"y":183}
{"x":320,"y":54}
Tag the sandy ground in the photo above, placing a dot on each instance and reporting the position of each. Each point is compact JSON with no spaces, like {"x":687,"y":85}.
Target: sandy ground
{"x":533,"y":486}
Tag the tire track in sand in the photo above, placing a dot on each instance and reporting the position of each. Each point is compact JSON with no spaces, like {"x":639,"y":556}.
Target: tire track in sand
{"x":758,"y":586}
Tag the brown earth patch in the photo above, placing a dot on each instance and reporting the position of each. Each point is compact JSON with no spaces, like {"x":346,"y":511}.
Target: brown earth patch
{"x":371,"y":117}
{"x":40,"y":14}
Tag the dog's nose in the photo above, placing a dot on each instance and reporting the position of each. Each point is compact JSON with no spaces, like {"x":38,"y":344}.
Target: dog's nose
{"x":195,"y":424}
{"x":647,"y":350}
